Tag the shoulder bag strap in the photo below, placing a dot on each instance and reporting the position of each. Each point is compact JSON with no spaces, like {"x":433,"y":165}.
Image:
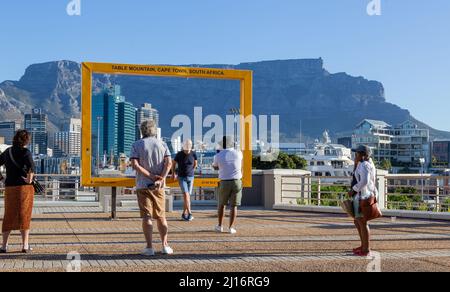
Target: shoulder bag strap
{"x":14,"y":161}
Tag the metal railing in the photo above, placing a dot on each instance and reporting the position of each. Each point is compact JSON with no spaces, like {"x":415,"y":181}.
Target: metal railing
{"x":60,"y":187}
{"x":198,"y":194}
{"x":68,"y":188}
{"x":417,"y":193}
{"x":408,"y":192}
{"x":396,"y":192}
{"x":316,"y":191}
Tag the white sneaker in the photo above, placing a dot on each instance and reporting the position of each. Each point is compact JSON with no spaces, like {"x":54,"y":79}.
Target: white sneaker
{"x":167,"y":250}
{"x":219,"y":229}
{"x":149,"y":252}
{"x":233,"y":230}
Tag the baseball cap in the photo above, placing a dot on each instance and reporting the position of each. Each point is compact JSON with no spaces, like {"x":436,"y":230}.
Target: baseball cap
{"x":363,"y":149}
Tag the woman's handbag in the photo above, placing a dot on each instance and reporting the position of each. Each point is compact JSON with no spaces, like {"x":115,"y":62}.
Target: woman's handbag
{"x":38,"y":188}
{"x":347,"y":206}
{"x":370,"y":209}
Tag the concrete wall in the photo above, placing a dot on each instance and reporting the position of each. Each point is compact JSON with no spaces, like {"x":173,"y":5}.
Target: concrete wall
{"x":254,"y":197}
{"x":267,"y":189}
{"x":276,"y":182}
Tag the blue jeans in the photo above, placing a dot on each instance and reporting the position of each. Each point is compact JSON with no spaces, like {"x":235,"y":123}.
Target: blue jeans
{"x":186,"y":184}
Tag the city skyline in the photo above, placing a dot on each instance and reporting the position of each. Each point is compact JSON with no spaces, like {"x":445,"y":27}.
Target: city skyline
{"x":225,"y":136}
{"x":405,"y":48}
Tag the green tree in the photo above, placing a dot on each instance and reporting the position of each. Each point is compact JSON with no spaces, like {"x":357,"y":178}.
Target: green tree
{"x":405,"y":198}
{"x":385,"y":164}
{"x":300,"y":162}
{"x":434,"y":160}
{"x":284,"y":161}
{"x":405,"y":170}
{"x":329,"y":195}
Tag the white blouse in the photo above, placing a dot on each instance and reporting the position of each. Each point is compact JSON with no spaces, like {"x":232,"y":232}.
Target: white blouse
{"x":366,"y":180}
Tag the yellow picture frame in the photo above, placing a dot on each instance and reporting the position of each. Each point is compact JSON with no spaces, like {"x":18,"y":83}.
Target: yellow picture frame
{"x":246,"y":95}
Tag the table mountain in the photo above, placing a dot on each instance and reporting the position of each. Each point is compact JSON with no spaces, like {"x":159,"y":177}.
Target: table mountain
{"x":307,"y":97}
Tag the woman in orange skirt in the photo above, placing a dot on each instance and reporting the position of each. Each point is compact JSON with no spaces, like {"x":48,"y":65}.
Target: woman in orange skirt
{"x":19,"y":194}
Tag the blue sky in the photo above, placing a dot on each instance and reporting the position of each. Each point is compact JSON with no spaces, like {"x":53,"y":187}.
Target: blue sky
{"x":406,"y":48}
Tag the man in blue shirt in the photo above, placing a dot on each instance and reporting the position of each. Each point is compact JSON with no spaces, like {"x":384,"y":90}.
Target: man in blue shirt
{"x":187,"y":163}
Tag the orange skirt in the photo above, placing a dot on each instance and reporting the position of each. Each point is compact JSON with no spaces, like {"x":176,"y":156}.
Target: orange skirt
{"x":18,"y":208}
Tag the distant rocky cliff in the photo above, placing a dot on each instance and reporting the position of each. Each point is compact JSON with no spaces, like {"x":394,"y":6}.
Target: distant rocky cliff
{"x":306,"y":96}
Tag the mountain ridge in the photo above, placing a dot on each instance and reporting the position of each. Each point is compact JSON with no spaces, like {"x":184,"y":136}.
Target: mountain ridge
{"x":301,"y":91}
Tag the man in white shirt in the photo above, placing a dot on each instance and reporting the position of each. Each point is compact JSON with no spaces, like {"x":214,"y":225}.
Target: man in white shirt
{"x":229,"y":164}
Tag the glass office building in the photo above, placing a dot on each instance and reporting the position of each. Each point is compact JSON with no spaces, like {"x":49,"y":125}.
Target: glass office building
{"x":126,"y":114}
{"x":145,"y":113}
{"x":8,"y":130}
{"x":441,"y":154}
{"x":36,"y":124}
{"x":113,"y":125}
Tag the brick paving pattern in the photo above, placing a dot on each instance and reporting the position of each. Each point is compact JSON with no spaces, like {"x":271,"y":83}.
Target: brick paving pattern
{"x":266,"y":241}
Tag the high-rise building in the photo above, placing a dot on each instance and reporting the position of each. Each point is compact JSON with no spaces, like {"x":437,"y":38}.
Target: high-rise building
{"x":126,"y":114}
{"x":8,"y":130}
{"x":72,"y":125}
{"x":405,"y":145}
{"x":345,"y":141}
{"x":441,"y":154}
{"x":410,"y":145}
{"x":176,"y":145}
{"x":375,"y":134}
{"x":36,"y":124}
{"x":68,"y":142}
{"x":144,"y":113}
{"x":114,"y":122}
{"x":104,"y":121}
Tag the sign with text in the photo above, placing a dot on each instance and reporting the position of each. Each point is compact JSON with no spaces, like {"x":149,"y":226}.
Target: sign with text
{"x":110,"y":122}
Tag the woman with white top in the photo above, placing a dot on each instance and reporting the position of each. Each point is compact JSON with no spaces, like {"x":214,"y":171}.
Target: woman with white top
{"x":364,"y":189}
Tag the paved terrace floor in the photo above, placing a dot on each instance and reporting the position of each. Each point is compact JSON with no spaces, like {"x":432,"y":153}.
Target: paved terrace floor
{"x":266,"y":241}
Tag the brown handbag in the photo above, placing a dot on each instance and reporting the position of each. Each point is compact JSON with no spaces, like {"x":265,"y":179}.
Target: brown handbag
{"x":370,"y":209}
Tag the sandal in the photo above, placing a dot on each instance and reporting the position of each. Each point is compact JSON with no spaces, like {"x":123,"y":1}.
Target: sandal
{"x":27,"y":250}
{"x":357,"y":249}
{"x":3,"y":250}
{"x":362,"y":254}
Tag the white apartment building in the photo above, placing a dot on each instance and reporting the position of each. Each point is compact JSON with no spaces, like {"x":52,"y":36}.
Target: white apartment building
{"x":405,"y":145}
{"x":68,"y":142}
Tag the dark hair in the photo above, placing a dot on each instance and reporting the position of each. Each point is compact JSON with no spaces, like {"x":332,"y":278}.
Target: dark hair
{"x":227,"y":142}
{"x":365,"y":156}
{"x":21,"y":138}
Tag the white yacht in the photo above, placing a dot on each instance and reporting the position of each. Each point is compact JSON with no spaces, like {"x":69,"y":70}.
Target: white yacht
{"x":330,"y":160}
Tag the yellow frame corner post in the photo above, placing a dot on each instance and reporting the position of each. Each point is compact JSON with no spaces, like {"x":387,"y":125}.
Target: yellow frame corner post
{"x":88,"y":69}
